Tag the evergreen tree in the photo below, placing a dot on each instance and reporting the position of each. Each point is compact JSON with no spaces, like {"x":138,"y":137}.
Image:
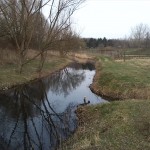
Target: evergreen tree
{"x":105,"y":42}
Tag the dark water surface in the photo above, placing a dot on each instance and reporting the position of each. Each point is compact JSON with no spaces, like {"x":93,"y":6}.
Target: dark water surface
{"x":41,"y":115}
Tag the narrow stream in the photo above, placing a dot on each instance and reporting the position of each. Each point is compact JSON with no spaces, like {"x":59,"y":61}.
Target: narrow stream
{"x":41,"y":115}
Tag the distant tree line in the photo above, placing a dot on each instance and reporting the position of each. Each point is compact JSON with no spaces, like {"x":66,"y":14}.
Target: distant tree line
{"x":138,"y":38}
{"x":100,"y":42}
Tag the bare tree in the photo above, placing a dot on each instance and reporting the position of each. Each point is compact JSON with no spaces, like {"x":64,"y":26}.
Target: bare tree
{"x":68,"y":41}
{"x":147,"y":40}
{"x":139,"y":34}
{"x":24,"y":22}
{"x":19,"y":18}
{"x":58,"y":27}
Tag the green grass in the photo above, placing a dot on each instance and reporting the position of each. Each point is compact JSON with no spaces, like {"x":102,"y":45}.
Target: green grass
{"x":118,"y":125}
{"x":122,"y":125}
{"x":9,"y":75}
{"x":130,"y":79}
{"x":138,"y":52}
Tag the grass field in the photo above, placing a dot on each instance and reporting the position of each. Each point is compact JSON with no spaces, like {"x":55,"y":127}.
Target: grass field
{"x":118,"y":125}
{"x":137,"y":51}
{"x":112,"y":126}
{"x":123,"y":80}
{"x":9,"y":75}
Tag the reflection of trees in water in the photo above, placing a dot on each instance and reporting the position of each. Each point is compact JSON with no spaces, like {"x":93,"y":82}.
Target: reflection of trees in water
{"x":27,"y":117}
{"x":25,"y":125}
{"x":12,"y":100}
{"x":64,"y":81}
{"x":84,"y":66}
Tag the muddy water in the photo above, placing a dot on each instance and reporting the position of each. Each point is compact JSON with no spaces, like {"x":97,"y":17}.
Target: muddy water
{"x":41,"y":115}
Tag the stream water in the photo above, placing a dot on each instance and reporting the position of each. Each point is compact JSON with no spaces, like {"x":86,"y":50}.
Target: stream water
{"x":40,"y":115}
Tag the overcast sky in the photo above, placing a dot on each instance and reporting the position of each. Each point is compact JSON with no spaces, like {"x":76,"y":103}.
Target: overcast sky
{"x":110,"y":18}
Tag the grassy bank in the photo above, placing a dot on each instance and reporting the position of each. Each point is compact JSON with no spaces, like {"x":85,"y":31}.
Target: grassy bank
{"x":123,"y":80}
{"x":9,"y":75}
{"x":112,"y":126}
{"x":118,"y":125}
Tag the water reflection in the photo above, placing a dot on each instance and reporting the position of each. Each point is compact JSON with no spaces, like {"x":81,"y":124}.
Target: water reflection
{"x":41,"y":114}
{"x":64,"y":81}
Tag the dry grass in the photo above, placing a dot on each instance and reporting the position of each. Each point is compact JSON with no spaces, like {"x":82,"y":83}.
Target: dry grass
{"x":82,"y":56}
{"x":31,"y":53}
{"x":8,"y":56}
{"x":9,"y":75}
{"x":112,"y":126}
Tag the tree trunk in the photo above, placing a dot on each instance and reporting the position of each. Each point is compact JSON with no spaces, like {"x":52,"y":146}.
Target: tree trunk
{"x":42,"y":61}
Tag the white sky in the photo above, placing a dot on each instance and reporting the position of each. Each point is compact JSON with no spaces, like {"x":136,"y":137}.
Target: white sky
{"x":110,"y":18}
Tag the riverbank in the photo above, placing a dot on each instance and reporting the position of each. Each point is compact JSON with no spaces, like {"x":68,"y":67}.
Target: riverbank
{"x":122,"y":80}
{"x":115,"y":126}
{"x":119,"y":124}
{"x":9,"y":76}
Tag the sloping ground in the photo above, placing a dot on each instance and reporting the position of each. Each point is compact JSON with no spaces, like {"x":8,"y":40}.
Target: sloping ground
{"x":122,"y":80}
{"x":9,"y":76}
{"x":122,"y":125}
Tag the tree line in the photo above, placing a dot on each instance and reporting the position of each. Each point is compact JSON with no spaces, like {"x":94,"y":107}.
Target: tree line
{"x":139,"y":38}
{"x":100,"y":42}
